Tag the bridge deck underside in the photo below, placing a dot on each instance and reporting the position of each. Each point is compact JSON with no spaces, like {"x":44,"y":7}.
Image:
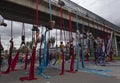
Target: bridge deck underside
{"x":27,"y":15}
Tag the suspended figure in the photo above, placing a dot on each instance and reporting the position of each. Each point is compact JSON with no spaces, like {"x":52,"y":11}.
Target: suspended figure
{"x":102,"y":54}
{"x":67,"y":51}
{"x":77,"y":49}
{"x":97,"y":49}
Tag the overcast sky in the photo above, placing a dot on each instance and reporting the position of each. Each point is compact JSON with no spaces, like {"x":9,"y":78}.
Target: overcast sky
{"x":108,"y":9}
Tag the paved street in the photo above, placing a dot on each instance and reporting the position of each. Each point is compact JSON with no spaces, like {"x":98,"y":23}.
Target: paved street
{"x":111,"y":74}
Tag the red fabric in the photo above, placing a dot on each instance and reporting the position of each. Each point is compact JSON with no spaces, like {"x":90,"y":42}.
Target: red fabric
{"x":71,"y":46}
{"x":63,"y":62}
{"x":9,"y":58}
{"x":87,"y":57}
{"x":26,"y":60}
{"x":15,"y":60}
{"x":31,"y":72}
{"x":111,"y":57}
{"x":72,"y":60}
{"x":61,"y":28}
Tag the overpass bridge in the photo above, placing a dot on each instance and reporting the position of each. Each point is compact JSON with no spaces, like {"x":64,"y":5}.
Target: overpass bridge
{"x":24,"y":11}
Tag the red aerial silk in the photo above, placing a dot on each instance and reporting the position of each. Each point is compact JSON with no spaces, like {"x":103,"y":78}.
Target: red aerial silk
{"x":15,"y":60}
{"x":31,"y":72}
{"x":71,"y":46}
{"x":26,"y":60}
{"x":9,"y":58}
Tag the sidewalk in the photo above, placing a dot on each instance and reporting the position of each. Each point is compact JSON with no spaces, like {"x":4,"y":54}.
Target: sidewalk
{"x":78,"y":77}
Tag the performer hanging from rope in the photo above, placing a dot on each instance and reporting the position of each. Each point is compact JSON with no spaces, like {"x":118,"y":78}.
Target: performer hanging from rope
{"x":31,"y":71}
{"x":67,"y":51}
{"x":83,"y":65}
{"x":61,"y":3}
{"x":56,"y":52}
{"x":35,"y":29}
{"x":41,"y":42}
{"x":109,"y":45}
{"x":49,"y":26}
{"x":102,"y":51}
{"x":71,"y":45}
{"x":10,"y":51}
{"x":87,"y":46}
{"x":16,"y":58}
{"x":98,"y":49}
{"x":102,"y":54}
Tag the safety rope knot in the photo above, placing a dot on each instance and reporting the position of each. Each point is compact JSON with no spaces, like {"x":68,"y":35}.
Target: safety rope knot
{"x":50,"y":25}
{"x":35,"y":28}
{"x":61,"y":3}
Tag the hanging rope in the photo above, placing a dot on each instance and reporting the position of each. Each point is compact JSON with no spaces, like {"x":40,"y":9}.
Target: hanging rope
{"x":77,"y":44}
{"x":23,"y":34}
{"x":37,"y":12}
{"x":71,"y":46}
{"x":70,"y":27}
{"x":61,"y":3}
{"x":61,"y":22}
{"x":10,"y":51}
{"x":35,"y":28}
{"x":50,"y":9}
{"x":83,"y":65}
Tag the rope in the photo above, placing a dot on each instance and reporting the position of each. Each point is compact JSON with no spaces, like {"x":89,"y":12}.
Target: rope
{"x":23,"y":29}
{"x":77,"y":21}
{"x":71,"y":46}
{"x":23,"y":34}
{"x":10,"y":51}
{"x":83,"y":65}
{"x":61,"y":22}
{"x":77,"y":46}
{"x":31,"y":71}
{"x":11,"y":29}
{"x":36,"y":12}
{"x":61,"y":39}
{"x":70,"y":27}
{"x":50,"y":9}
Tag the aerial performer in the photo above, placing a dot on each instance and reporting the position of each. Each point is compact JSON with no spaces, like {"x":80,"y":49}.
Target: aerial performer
{"x":77,"y":49}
